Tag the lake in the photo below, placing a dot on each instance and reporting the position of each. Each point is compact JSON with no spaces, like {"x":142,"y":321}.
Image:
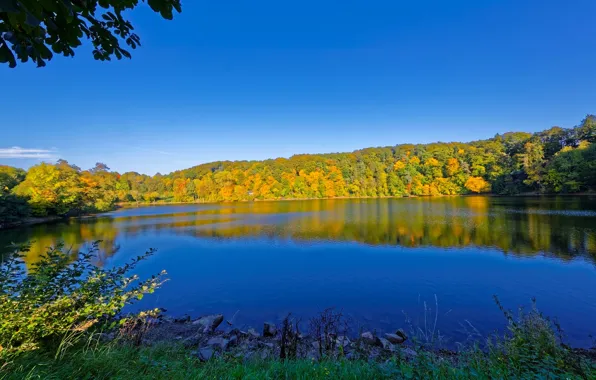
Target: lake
{"x":377,"y":260}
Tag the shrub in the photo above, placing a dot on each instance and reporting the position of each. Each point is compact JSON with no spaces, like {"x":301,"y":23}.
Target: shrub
{"x":12,"y":209}
{"x":290,"y":334}
{"x":534,"y":345}
{"x":61,"y":295}
{"x":325,"y":328}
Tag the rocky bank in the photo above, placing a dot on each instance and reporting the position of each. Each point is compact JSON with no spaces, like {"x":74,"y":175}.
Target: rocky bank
{"x":212,"y":336}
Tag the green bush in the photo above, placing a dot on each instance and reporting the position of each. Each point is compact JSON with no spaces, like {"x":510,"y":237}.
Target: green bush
{"x":532,"y":347}
{"x":61,"y":295}
{"x":13,"y":209}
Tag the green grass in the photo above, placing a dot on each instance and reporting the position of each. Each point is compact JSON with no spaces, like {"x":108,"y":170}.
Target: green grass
{"x":171,"y":362}
{"x":117,"y":361}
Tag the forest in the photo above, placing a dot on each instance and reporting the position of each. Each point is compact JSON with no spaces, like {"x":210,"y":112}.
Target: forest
{"x":557,"y":160}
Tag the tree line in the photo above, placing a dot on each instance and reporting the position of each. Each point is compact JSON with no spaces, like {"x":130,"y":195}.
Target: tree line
{"x":557,"y":160}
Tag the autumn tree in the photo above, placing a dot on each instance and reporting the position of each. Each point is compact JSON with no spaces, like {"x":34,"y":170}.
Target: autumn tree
{"x":100,"y":188}
{"x":555,"y":160}
{"x":52,"y":189}
{"x":477,"y":185}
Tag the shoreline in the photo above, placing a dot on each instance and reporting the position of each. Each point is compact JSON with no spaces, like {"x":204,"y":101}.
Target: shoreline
{"x":488,"y":195}
{"x":31,"y":221}
{"x":205,"y":339}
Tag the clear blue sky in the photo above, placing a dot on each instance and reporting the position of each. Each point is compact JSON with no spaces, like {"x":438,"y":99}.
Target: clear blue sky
{"x":254,"y":80}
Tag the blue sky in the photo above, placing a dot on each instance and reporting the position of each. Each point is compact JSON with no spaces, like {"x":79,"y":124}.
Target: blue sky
{"x":254,"y":80}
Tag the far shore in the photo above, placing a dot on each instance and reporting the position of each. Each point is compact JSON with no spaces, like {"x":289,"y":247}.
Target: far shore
{"x":521,"y":195}
{"x":30,"y":221}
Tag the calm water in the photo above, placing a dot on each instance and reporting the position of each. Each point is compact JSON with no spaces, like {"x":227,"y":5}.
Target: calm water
{"x":377,"y":259}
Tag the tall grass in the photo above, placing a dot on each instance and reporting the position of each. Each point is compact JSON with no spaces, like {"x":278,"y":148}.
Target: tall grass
{"x":115,"y":361}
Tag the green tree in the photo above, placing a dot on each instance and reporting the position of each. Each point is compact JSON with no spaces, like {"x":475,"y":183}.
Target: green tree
{"x":35,"y":29}
{"x":533,"y":162}
{"x":52,"y":189}
{"x":555,"y":160}
{"x":10,"y":177}
{"x":587,"y":129}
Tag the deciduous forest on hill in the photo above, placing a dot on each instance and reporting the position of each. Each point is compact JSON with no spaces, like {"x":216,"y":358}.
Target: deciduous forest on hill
{"x":557,"y":160}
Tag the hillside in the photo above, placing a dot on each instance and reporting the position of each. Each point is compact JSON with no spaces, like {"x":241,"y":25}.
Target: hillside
{"x":557,"y":160}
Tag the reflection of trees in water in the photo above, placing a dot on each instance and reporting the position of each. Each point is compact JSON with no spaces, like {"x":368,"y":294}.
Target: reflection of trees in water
{"x":514,"y":225}
{"x":445,"y":222}
{"x":76,"y":235}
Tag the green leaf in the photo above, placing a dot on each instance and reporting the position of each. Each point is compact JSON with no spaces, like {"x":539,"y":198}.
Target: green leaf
{"x":9,"y":6}
{"x":6,"y":55}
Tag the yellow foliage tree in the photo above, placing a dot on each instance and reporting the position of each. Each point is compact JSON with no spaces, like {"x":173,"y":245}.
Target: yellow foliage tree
{"x":432,"y":162}
{"x":477,"y":185}
{"x":399,"y":165}
{"x":452,"y":167}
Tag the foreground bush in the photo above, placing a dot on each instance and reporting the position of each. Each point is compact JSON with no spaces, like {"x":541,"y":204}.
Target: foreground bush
{"x":62,"y":296}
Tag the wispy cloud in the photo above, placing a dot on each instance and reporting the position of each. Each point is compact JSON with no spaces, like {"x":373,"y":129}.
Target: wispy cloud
{"x":18,"y":152}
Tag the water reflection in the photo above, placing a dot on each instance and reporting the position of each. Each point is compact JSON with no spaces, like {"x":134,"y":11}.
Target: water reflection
{"x":563,"y":227}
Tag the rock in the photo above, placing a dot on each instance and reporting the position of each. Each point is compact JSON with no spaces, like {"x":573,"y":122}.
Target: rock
{"x":351,"y":355}
{"x":269,"y":329}
{"x":235,"y":332}
{"x":219,"y":342}
{"x":401,"y":333}
{"x":409,"y":353}
{"x":342,"y":341}
{"x":267,"y":344}
{"x":191,"y":341}
{"x":254,"y":333}
{"x":249,"y":356}
{"x":394,"y":338}
{"x":153,"y":321}
{"x":386,"y":344}
{"x":370,"y":339}
{"x":182,"y":319}
{"x":373,"y":355}
{"x":205,"y":354}
{"x":313,"y":355}
{"x":233,"y":341}
{"x":209,"y":323}
{"x":166,"y":319}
